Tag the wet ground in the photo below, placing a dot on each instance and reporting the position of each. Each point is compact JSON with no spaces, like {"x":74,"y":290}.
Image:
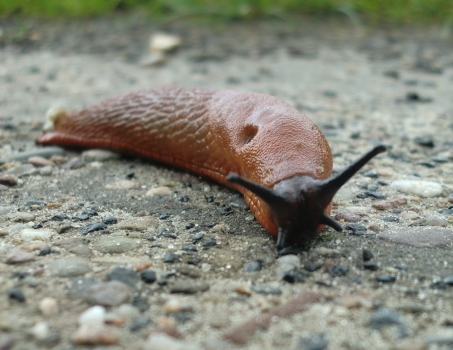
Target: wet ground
{"x":195,"y":268}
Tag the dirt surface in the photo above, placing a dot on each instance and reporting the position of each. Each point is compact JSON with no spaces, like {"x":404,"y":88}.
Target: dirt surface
{"x":216,"y":268}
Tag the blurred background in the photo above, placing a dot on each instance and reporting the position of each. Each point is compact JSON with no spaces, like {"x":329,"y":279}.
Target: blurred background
{"x":371,"y":11}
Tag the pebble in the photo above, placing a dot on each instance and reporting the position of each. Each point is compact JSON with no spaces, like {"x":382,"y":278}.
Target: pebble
{"x":338,"y":270}
{"x":384,"y":317}
{"x":174,"y":305}
{"x":162,"y":341}
{"x":21,"y":217}
{"x":315,"y":342}
{"x":18,"y":256}
{"x":116,"y":244}
{"x":312,"y":267}
{"x":43,"y":234}
{"x":164,"y":42}
{"x":46,"y":170}
{"x":419,"y":236}
{"x":48,"y":306}
{"x":139,"y":323}
{"x":16,"y":294}
{"x":389,"y":203}
{"x":371,"y":266}
{"x":159,"y":191}
{"x":38,"y":161}
{"x":94,"y":315}
{"x":78,"y":288}
{"x":3,"y":188}
{"x":45,"y":152}
{"x":253,"y":266}
{"x":88,"y":334}
{"x":170,"y":258}
{"x":435,"y":220}
{"x":94,"y":226}
{"x":286,"y":263}
{"x":40,"y":330}
{"x":72,"y":164}
{"x":418,"y":187}
{"x":357,"y":229}
{"x":68,"y":267}
{"x":8,"y":179}
{"x":123,"y":185}
{"x":81,"y":250}
{"x":187,"y":286}
{"x":138,"y":223}
{"x":348,"y":217}
{"x":148,"y":276}
{"x":327,"y":252}
{"x":367,"y":254}
{"x":266,"y":289}
{"x":22,"y":170}
{"x":127,"y":276}
{"x":386,"y":278}
{"x":110,"y":220}
{"x":294,"y":276}
{"x":224,"y":260}
{"x":112,"y":293}
{"x":98,"y":155}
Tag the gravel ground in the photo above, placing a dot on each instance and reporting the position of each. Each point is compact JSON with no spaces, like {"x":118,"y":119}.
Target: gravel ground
{"x":121,"y":253}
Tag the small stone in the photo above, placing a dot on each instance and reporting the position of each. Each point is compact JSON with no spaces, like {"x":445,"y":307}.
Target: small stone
{"x":116,"y":244}
{"x":348,"y":217}
{"x":16,"y":294}
{"x":391,"y":218}
{"x":418,"y":187}
{"x":357,"y":229}
{"x":338,"y":270}
{"x":123,"y":185}
{"x":21,"y":217}
{"x":164,"y":42}
{"x":386,"y":278}
{"x":448,"y":280}
{"x":18,"y":256}
{"x":327,"y":252}
{"x":111,"y":293}
{"x":81,"y":251}
{"x":371,"y":266}
{"x":294,"y":277}
{"x":419,"y":236}
{"x":98,"y":155}
{"x":286,"y":263}
{"x":253,"y":266}
{"x":170,"y":258}
{"x":312,"y":267}
{"x":209,"y":242}
{"x":174,"y":305}
{"x":148,"y":276}
{"x":45,"y":152}
{"x":159,"y":191}
{"x":266,"y":289}
{"x":188,"y":286}
{"x":139,"y":323}
{"x":8,"y":179}
{"x":22,"y":170}
{"x":435,"y":220}
{"x":60,"y":217}
{"x":95,"y":226}
{"x":316,"y":342}
{"x":367,"y":254}
{"x":68,"y":267}
{"x":426,"y":141}
{"x":94,"y":315}
{"x":389,"y":203}
{"x":141,"y":265}
{"x":40,"y":161}
{"x":48,"y":306}
{"x":138,"y":223}
{"x":45,"y":251}
{"x":43,"y":234}
{"x":109,"y":220}
{"x":3,"y":188}
{"x":73,"y":164}
{"x":127,"y":276}
{"x":78,"y":288}
{"x":385,"y":317}
{"x":40,"y":330}
{"x":88,"y":334}
{"x":242,"y":289}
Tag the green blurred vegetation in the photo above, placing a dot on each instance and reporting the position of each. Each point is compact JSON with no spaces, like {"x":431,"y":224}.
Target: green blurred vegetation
{"x":393,"y":11}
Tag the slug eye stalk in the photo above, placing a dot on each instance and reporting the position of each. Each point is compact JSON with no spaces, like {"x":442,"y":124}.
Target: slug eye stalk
{"x":299,"y":204}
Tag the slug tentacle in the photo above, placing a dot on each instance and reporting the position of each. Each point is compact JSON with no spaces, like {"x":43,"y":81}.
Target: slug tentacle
{"x":299,"y":204}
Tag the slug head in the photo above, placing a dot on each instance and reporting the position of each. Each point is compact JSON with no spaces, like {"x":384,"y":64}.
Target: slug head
{"x":298,"y":204}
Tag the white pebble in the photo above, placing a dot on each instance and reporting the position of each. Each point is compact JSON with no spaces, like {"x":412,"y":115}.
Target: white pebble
{"x":29,"y":234}
{"x":98,"y":155}
{"x":435,"y":220}
{"x":40,"y":330}
{"x":48,"y":306}
{"x":162,"y":341}
{"x":159,"y":191}
{"x":95,"y":315}
{"x":288,"y":262}
{"x":418,"y":187}
{"x":164,"y":42}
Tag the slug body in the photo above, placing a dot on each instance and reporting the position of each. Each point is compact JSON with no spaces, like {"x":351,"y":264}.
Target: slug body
{"x":239,"y":139}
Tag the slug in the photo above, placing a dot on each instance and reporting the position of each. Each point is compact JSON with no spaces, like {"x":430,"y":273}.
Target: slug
{"x":251,"y":142}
